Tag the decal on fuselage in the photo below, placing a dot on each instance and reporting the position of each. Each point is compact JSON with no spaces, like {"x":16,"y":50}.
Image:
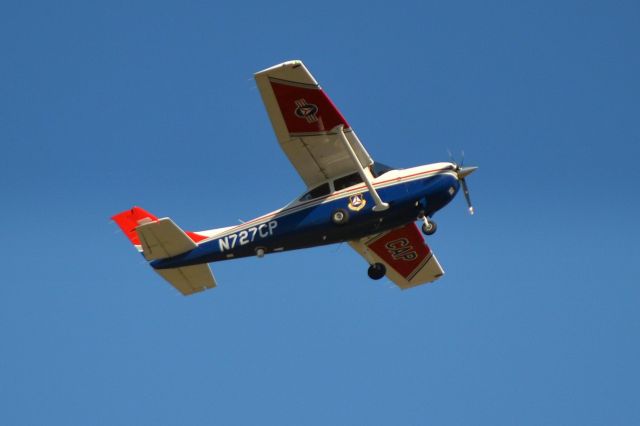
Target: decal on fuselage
{"x":247,"y":236}
{"x":401,"y":249}
{"x":356,"y":202}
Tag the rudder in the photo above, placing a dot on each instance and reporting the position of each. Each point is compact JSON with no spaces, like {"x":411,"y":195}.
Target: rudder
{"x":129,"y":220}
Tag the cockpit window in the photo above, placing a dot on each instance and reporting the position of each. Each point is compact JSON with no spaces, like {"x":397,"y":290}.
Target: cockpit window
{"x":316,"y":192}
{"x":347,"y":181}
{"x":378,"y":169}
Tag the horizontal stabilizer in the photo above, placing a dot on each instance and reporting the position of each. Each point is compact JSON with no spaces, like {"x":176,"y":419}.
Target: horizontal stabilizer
{"x":162,"y":239}
{"x":189,"y":279}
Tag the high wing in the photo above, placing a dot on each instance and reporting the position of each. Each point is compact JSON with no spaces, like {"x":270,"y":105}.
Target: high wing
{"x":403,"y":251}
{"x":305,"y":122}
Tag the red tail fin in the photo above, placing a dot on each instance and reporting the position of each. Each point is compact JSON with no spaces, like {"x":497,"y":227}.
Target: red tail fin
{"x":129,"y":220}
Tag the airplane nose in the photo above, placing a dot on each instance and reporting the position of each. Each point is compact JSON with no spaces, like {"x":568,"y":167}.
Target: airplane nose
{"x":463,"y":172}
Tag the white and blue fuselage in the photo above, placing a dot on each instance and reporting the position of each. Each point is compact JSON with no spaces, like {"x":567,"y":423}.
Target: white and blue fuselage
{"x":410,"y":193}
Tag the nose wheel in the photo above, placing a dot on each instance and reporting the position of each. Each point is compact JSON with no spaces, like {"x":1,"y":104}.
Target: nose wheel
{"x":429,"y":227}
{"x":376,"y":271}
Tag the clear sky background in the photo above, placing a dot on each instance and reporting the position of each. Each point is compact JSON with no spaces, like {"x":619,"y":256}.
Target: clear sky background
{"x":113,"y":104}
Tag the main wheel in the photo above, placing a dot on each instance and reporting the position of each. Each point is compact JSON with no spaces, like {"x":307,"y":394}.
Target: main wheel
{"x":340,"y":217}
{"x":376,"y":271}
{"x":430,"y":229}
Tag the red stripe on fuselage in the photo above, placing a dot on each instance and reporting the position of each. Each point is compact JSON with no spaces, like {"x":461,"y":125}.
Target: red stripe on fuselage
{"x":195,"y":237}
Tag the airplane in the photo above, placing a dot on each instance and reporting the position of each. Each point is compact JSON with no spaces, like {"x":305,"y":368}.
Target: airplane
{"x":350,"y":198}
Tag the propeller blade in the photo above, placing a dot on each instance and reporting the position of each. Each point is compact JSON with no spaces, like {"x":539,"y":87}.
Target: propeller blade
{"x":465,"y":191}
{"x":462,"y":173}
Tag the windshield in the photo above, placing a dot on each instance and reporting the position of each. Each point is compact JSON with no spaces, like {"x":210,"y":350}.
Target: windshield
{"x":378,"y":169}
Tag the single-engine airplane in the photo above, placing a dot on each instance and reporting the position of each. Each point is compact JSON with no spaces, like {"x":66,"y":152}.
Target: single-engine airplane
{"x":350,"y":198}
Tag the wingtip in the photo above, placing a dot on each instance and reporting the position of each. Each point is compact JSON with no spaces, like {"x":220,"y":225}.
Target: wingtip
{"x":294,"y":63}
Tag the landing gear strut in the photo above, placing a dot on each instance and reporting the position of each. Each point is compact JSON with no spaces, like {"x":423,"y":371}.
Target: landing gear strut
{"x":429,"y":227}
{"x":376,"y":271}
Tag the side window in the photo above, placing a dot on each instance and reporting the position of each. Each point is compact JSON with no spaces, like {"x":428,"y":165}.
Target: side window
{"x":316,"y":192}
{"x":347,"y":181}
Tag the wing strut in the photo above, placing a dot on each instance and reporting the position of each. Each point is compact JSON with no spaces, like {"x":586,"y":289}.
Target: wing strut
{"x":380,"y":205}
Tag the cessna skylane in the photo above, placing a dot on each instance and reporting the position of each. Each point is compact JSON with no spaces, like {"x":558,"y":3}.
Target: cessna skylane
{"x":350,"y":198}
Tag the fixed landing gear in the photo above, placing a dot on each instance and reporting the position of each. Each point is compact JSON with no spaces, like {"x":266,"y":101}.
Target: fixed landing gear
{"x":429,"y":227}
{"x":376,"y":271}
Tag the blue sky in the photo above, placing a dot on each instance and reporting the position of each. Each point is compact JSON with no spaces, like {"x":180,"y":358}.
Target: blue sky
{"x":107,"y":105}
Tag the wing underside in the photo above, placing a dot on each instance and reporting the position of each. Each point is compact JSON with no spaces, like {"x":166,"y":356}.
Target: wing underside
{"x":305,"y":121}
{"x":408,"y":259}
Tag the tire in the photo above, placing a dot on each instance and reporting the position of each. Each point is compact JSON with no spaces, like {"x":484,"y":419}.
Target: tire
{"x":340,"y":217}
{"x":429,"y":230}
{"x":376,"y":271}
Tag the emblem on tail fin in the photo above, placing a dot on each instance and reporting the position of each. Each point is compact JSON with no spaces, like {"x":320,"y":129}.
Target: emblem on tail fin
{"x":306,"y":110}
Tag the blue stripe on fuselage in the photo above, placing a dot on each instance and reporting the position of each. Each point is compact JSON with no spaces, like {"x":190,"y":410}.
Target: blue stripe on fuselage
{"x":312,"y":226}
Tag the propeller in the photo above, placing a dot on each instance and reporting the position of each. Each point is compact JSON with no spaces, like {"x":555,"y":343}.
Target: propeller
{"x":462,"y":172}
